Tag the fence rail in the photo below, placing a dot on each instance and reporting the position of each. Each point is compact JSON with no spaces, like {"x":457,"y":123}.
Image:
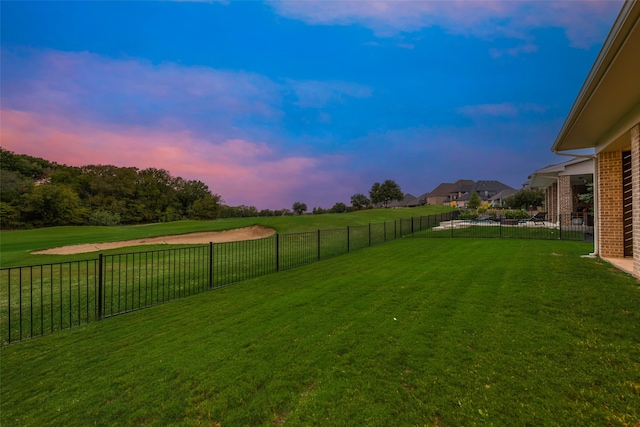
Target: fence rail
{"x":41,"y":299}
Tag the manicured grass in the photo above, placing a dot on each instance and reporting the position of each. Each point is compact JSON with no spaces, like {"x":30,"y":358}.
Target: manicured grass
{"x":524,"y":231}
{"x":16,"y":246}
{"x":413,"y":332}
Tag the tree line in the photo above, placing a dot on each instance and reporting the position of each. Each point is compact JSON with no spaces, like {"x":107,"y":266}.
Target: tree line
{"x":379,"y":195}
{"x":35,"y":192}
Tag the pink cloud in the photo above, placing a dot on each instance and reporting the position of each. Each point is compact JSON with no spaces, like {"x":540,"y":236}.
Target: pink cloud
{"x":242,"y":172}
{"x":80,"y":108}
{"x":134,"y":90}
{"x":585,"y":22}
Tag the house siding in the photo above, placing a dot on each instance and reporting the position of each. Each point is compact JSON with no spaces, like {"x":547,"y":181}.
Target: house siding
{"x":610,"y":221}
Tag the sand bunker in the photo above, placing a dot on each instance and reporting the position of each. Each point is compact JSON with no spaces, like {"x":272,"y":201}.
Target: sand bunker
{"x":248,"y":233}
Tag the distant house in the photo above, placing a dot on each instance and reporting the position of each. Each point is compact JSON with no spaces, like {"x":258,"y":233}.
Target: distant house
{"x":562,"y":184}
{"x":498,"y":199}
{"x":441,"y":195}
{"x":605,"y":117}
{"x":423,"y":199}
{"x":409,"y":200}
{"x":412,"y":202}
{"x":486,"y":189}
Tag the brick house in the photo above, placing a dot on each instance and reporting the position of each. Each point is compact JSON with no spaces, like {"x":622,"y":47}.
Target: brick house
{"x":441,"y":195}
{"x":605,"y":118}
{"x":498,"y":199}
{"x":562,"y":184}
{"x":486,"y":189}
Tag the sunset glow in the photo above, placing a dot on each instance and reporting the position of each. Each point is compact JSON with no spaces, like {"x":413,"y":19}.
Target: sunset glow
{"x":276,"y":102}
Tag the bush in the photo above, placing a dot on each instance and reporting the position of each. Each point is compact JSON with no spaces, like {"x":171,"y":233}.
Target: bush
{"x":493,"y":212}
{"x":472,"y":214}
{"x":103,"y":217}
{"x":9,"y":217}
{"x":520,"y":214}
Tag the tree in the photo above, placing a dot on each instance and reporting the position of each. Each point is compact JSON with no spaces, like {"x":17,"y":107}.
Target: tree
{"x":12,"y":185}
{"x":9,"y":216}
{"x":103,"y":217}
{"x":26,"y":166}
{"x":339,"y":208}
{"x":299,"y":208}
{"x":52,"y":204}
{"x":241,"y":211}
{"x":206,"y":207}
{"x":385,"y":193}
{"x":360,"y":201}
{"x":525,"y":199}
{"x":588,"y":196}
{"x":474,"y":201}
{"x":155,"y":192}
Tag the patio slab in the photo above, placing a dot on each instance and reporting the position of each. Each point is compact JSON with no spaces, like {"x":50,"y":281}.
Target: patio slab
{"x":624,"y":264}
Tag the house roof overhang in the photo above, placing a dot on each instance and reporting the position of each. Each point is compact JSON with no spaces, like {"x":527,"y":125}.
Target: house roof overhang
{"x":608,"y":105}
{"x":542,"y":178}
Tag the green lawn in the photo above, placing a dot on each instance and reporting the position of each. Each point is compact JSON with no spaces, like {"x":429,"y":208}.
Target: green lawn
{"x":16,"y":246}
{"x":413,"y":332}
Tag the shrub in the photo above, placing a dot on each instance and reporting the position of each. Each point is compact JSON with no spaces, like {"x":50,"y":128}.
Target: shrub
{"x":493,"y":212}
{"x":519,"y":214}
{"x":9,"y":216}
{"x":103,"y":217}
{"x":468,"y":215}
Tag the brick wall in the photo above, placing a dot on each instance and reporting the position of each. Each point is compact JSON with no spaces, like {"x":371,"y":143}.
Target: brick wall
{"x":547,"y":201}
{"x":565,"y":199}
{"x":552,"y":201}
{"x":610,"y":225}
{"x":635,"y":173}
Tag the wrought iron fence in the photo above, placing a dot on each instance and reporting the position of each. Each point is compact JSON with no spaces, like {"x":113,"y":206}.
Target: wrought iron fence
{"x":40,"y":299}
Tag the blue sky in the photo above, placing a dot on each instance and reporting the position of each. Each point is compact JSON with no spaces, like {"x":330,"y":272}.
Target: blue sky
{"x":270,"y":103}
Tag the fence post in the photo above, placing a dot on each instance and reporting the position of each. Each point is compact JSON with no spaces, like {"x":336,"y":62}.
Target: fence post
{"x":450,"y":222}
{"x":560,"y":223}
{"x":319,"y":245}
{"x":412,"y":231}
{"x":277,"y":252}
{"x":348,"y":240}
{"x":100,"y":280}
{"x":210,"y":265}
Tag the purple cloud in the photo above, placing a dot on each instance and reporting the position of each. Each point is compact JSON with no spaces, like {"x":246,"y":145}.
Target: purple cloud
{"x":82,"y":108}
{"x":317,"y":94}
{"x":505,"y":109}
{"x":584,"y":22}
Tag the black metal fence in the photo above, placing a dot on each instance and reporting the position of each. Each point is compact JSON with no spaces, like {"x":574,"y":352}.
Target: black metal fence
{"x":41,"y":299}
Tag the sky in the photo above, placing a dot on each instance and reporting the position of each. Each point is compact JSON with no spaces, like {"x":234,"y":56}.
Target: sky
{"x":271,"y":103}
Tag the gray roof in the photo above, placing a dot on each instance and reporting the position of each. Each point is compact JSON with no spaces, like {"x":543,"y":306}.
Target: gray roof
{"x":486,"y":189}
{"x":446,"y":188}
{"x":408,"y":200}
{"x":505,"y":193}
